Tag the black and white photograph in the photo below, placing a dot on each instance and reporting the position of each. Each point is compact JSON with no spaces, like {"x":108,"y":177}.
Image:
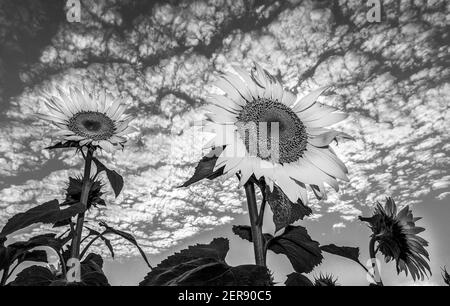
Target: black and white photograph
{"x":224,"y":148}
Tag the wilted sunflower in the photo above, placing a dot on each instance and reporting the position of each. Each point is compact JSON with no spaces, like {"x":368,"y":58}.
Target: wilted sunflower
{"x":396,"y":235}
{"x":304,"y":156}
{"x":87,"y":119}
{"x":74,"y":190}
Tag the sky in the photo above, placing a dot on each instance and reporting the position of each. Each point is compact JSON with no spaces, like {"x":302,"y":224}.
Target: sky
{"x":161,"y":57}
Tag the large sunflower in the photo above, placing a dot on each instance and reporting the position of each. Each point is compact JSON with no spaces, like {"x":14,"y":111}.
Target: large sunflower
{"x":396,"y":235}
{"x":303,"y":156}
{"x":81,"y":117}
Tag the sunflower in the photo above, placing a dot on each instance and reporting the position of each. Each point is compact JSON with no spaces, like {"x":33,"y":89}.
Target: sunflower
{"x":74,"y":191}
{"x":291,"y":148}
{"x":86,"y":119}
{"x":327,"y":280}
{"x":396,"y":235}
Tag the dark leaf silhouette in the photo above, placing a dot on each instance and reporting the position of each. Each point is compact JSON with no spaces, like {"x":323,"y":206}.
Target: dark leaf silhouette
{"x":344,"y":251}
{"x":284,"y":211}
{"x":204,"y":265}
{"x":34,"y":255}
{"x":91,"y":271}
{"x":34,"y":276}
{"x":303,"y":252}
{"x":49,"y":212}
{"x":126,"y":236}
{"x":297,"y":279}
{"x":245,"y":232}
{"x":64,"y":145}
{"x":205,"y":168}
{"x":114,"y":178}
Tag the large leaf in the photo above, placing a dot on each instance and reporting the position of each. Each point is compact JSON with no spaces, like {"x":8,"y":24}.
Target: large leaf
{"x":284,"y":211}
{"x":49,"y":212}
{"x":303,"y":252}
{"x":126,"y":236}
{"x":205,"y":168}
{"x":114,"y":178}
{"x":22,"y":250}
{"x":297,"y":279}
{"x":34,"y":276}
{"x":344,"y":251}
{"x":34,"y":255}
{"x":91,"y":271}
{"x":204,"y":265}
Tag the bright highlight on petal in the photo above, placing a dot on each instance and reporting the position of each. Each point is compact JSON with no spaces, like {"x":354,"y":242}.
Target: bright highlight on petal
{"x":89,"y":120}
{"x":283,"y":136}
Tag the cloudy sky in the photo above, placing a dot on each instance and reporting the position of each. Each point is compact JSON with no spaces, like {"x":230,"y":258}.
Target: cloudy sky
{"x":160,"y":57}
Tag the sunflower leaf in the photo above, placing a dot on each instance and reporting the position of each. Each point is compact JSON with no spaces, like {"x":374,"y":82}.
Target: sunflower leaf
{"x":114,"y":178}
{"x":284,"y":211}
{"x":34,"y":255}
{"x":49,"y":212}
{"x":297,"y":279}
{"x":205,"y":168}
{"x":303,"y":252}
{"x":245,"y":232}
{"x":64,"y":145}
{"x":344,"y":251}
{"x":126,"y":236}
{"x":204,"y":265}
{"x":34,"y":276}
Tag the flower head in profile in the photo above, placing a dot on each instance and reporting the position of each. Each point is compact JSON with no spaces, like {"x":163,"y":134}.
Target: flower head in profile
{"x":327,"y":280}
{"x":74,"y":190}
{"x":397,"y":236}
{"x":269,"y":132}
{"x":86,"y":119}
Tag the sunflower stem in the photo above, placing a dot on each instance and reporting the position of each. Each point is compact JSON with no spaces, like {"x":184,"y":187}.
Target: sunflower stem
{"x":256,"y":226}
{"x":376,"y":273}
{"x":86,"y":185}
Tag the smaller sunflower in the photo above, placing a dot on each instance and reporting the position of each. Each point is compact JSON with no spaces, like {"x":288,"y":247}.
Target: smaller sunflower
{"x":327,"y":280}
{"x":397,"y":238}
{"x":86,"y":119}
{"x":75,"y":187}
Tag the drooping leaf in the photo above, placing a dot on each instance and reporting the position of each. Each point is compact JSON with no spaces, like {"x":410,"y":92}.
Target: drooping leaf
{"x":303,"y":252}
{"x":284,"y":211}
{"x":204,"y":265}
{"x":126,"y":236}
{"x":49,"y":212}
{"x":344,"y":251}
{"x":114,"y":178}
{"x":297,"y":279}
{"x":34,"y":276}
{"x":93,"y":232}
{"x":64,"y":145}
{"x":205,"y":168}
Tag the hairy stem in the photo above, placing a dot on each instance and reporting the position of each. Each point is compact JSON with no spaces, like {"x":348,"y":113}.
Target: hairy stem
{"x":372,"y":253}
{"x":257,"y":236}
{"x":84,"y":198}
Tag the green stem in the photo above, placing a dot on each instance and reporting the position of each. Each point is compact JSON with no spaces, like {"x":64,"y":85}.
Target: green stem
{"x":88,"y":245}
{"x":84,"y":198}
{"x":256,"y":226}
{"x":372,"y":253}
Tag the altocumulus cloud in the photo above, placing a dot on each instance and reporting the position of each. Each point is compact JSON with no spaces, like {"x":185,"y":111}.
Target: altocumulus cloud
{"x":160,"y":59}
